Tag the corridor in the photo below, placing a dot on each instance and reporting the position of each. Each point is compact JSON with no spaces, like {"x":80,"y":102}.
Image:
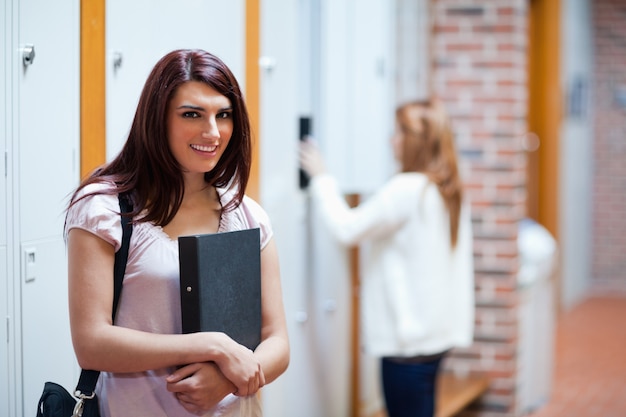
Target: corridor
{"x":590,"y":361}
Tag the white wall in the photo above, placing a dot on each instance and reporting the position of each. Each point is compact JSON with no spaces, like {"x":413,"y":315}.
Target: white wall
{"x":576,"y":151}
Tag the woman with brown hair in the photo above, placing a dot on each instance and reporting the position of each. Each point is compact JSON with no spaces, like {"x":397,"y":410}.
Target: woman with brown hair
{"x":184,"y":168}
{"x":417,"y":291}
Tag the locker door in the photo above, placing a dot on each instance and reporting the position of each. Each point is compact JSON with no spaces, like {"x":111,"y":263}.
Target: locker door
{"x":332,"y":66}
{"x":46,"y":144}
{"x":4,"y":222}
{"x":356,"y":95}
{"x":7,"y":392}
{"x":4,"y":347}
{"x":48,"y":114}
{"x":139,"y":33}
{"x":4,"y":128}
{"x":284,"y":84}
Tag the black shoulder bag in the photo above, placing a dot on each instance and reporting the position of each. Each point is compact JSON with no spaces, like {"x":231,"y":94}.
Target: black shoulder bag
{"x":55,"y":400}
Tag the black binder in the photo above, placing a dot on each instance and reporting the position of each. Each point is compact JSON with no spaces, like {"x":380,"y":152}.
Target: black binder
{"x":220,"y":284}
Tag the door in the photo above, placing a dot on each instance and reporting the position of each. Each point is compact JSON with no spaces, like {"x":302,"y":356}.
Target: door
{"x":46,"y":167}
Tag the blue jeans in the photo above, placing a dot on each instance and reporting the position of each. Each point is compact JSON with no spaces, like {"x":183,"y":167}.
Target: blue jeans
{"x":409,"y":387}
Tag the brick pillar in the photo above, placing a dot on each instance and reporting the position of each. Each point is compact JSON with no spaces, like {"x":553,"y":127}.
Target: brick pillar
{"x":609,"y":182}
{"x":479,"y":53}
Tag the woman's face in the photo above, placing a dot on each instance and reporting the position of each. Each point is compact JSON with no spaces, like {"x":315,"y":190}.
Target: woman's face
{"x":199,"y":126}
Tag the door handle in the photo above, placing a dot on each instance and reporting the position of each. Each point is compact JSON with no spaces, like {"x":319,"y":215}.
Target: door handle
{"x":305,"y":132}
{"x":28,"y":55}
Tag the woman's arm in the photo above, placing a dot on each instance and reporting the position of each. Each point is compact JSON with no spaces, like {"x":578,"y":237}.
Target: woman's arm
{"x":380,"y":215}
{"x":273,"y":351}
{"x":199,"y":387}
{"x":102,"y":346}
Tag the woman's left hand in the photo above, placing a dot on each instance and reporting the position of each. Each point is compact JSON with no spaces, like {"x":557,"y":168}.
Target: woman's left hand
{"x":199,"y":386}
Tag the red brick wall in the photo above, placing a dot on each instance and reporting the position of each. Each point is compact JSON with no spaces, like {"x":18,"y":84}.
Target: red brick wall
{"x":480,"y":70}
{"x":609,"y":182}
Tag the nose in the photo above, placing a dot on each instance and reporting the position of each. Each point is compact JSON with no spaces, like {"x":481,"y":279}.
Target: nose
{"x":211,"y":131}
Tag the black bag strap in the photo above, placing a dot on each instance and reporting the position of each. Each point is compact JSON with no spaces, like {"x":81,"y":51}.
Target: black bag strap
{"x":121,"y":256}
{"x":88,"y":379}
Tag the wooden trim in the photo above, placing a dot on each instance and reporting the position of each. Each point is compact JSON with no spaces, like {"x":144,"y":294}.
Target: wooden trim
{"x":355,"y":330}
{"x":92,"y":85}
{"x":544,"y":112}
{"x":253,"y":89}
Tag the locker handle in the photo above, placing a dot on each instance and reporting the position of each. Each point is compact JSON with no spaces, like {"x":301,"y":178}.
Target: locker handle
{"x":28,"y":55}
{"x":306,"y":123}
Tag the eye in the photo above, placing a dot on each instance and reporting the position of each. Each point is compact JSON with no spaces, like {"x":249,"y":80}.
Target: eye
{"x":191,"y":115}
{"x":224,"y":115}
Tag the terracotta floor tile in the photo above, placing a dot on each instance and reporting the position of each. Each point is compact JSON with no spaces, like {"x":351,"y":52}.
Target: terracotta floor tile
{"x":590,"y":361}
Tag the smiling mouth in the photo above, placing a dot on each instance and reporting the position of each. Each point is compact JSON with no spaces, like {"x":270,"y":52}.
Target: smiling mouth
{"x":204,"y":148}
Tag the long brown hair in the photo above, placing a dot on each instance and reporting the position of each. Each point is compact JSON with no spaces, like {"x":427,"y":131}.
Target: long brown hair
{"x":146,"y":169}
{"x":428,"y":147}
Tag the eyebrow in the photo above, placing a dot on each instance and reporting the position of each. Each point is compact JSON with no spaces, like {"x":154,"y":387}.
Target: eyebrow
{"x":192,"y":107}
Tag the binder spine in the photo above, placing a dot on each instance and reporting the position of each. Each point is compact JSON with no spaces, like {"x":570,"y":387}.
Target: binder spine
{"x":189,"y":285}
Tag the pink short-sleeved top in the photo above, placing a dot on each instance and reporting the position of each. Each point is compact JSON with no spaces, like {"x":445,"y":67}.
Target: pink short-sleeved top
{"x":151,"y":282}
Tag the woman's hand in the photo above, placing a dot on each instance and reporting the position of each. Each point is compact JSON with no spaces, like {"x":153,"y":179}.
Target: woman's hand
{"x":311,"y":159}
{"x":199,"y":386}
{"x":242,"y":368}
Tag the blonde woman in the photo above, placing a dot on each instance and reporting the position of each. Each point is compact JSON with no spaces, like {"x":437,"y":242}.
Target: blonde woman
{"x":417,"y":288}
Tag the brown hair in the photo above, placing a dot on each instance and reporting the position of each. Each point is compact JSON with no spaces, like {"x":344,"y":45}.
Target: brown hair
{"x":428,"y":147}
{"x":145,"y":167}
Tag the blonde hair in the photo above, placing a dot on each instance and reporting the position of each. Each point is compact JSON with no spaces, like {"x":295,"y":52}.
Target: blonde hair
{"x":428,"y":147}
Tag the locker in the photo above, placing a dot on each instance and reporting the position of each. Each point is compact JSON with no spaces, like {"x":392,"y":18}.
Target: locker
{"x":329,"y":62}
{"x":40,"y":140}
{"x":48,"y":114}
{"x":47,"y":353}
{"x":139,"y":33}
{"x":5,"y":377}
{"x":6,"y":380}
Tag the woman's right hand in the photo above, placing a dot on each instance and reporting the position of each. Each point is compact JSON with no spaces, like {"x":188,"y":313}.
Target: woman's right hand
{"x":311,"y":159}
{"x":241,"y":367}
{"x":199,"y":387}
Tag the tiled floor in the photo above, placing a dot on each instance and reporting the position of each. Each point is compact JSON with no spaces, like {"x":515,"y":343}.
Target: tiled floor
{"x":590,"y":368}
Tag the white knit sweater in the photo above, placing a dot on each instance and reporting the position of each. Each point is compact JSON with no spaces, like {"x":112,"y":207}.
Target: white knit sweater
{"x":417,"y":293}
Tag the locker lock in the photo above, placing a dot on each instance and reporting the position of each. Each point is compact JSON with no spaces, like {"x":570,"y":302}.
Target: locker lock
{"x":118,"y":58}
{"x":28,"y":55}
